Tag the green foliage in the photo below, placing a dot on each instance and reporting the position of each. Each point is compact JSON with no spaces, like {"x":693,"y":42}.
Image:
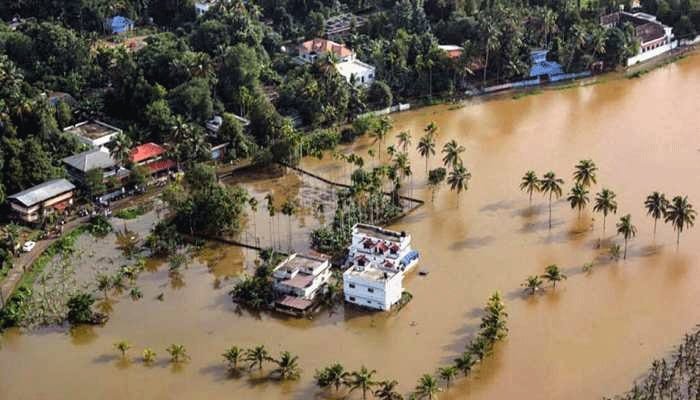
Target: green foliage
{"x":164,"y":239}
{"x":99,"y":226}
{"x":193,"y":100}
{"x":379,"y":95}
{"x":15,"y":308}
{"x":132,"y":212}
{"x":80,"y":309}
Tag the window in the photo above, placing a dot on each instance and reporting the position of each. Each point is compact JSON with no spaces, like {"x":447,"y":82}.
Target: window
{"x":352,"y":298}
{"x":371,"y":290}
{"x":351,"y":285}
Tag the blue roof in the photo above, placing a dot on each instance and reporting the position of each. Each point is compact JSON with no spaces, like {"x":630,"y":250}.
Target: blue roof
{"x":121,"y":24}
{"x":540,"y":65}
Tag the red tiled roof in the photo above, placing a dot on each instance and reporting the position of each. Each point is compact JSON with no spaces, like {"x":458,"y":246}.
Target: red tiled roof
{"x":395,"y":247}
{"x":322,"y":46}
{"x":146,"y":151}
{"x":295,"y":302}
{"x":160,"y":165}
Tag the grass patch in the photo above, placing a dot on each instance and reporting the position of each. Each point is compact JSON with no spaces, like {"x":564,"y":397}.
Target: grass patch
{"x":131,"y":212}
{"x":520,"y":95}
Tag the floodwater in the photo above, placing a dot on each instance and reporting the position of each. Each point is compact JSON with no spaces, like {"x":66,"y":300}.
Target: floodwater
{"x":591,"y":337}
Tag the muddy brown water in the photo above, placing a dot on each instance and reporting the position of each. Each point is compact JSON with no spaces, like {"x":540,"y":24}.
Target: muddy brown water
{"x":591,"y":337}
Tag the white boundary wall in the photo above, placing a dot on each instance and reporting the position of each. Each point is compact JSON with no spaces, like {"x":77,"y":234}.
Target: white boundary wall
{"x":641,"y":57}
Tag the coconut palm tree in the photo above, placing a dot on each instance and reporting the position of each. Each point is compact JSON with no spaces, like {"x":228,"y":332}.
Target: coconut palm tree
{"x":681,"y":215}
{"x":578,"y":198}
{"x":459,"y":179}
{"x":232,"y":356}
{"x":428,"y":387}
{"x":465,"y":362}
{"x":387,"y":391}
{"x":379,"y":133}
{"x":530,"y":183}
{"x":585,"y":173}
{"x":656,"y":204}
{"x":551,"y":185}
{"x":426,"y":148}
{"x":362,"y":380}
{"x":448,"y":374}
{"x":178,"y":353}
{"x":553,"y":274}
{"x":532,"y":284}
{"x":148,"y":355}
{"x":404,"y":138}
{"x":605,"y":202}
{"x":627,"y":230}
{"x":431,"y":129}
{"x":334,"y":375}
{"x":120,"y":149}
{"x":287,"y":367}
{"x":289,"y":208}
{"x":122,"y":346}
{"x":253,"y":203}
{"x":256,"y":357}
{"x":479,"y":347}
{"x":452,"y":151}
{"x":271,"y":210}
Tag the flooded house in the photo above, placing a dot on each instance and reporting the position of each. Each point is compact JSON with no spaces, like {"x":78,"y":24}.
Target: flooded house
{"x":153,"y":157}
{"x":93,"y":133}
{"x":378,"y":258}
{"x":654,"y":37}
{"x":37,"y":202}
{"x":298,"y":281}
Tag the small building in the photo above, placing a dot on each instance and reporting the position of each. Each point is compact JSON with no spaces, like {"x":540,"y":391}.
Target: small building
{"x":356,"y":72}
{"x":654,"y":37}
{"x":378,"y":259}
{"x":80,"y":164}
{"x":540,"y":67}
{"x":93,"y":133}
{"x":298,"y":280}
{"x":312,"y":50}
{"x":453,"y":52}
{"x":35,"y":203}
{"x":153,"y":157}
{"x":342,"y":24}
{"x":119,"y":24}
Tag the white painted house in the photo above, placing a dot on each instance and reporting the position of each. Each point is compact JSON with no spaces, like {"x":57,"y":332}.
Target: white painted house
{"x":654,"y":37}
{"x":93,"y":133}
{"x":298,"y":280}
{"x":378,"y":258}
{"x":353,"y":70}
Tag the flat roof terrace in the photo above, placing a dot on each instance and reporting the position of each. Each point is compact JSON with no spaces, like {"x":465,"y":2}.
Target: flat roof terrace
{"x":92,"y":129}
{"x":378,"y":233}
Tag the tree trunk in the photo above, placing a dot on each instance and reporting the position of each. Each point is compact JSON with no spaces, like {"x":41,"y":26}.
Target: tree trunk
{"x":550,"y":211}
{"x":624,"y":257}
{"x":655,"y":221}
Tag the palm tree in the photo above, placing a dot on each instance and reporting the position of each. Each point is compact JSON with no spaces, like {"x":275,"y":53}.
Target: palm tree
{"x":122,"y":346}
{"x":362,"y":380}
{"x":334,"y":375}
{"x":148,"y":355}
{"x":585,"y":173}
{"x":533,"y":283}
{"x":551,"y":185}
{"x":387,"y":391}
{"x":104,"y":283}
{"x":447,"y":374}
{"x":530,"y":183}
{"x":121,"y":148}
{"x":289,"y":208}
{"x":271,"y":210}
{"x":178,"y":353}
{"x":578,"y":198}
{"x":465,"y":362}
{"x":553,"y":274}
{"x":479,"y":348}
{"x":256,"y":357}
{"x":459,"y":179}
{"x":253,"y":203}
{"x":435,"y":178}
{"x":681,"y":215}
{"x":287,"y":367}
{"x":404,"y":138}
{"x":426,"y":148}
{"x":379,"y":133}
{"x":452,"y":151}
{"x":627,"y":230}
{"x":605,"y":202}
{"x":427,"y":387}
{"x":232,"y":356}
{"x":656,"y":204}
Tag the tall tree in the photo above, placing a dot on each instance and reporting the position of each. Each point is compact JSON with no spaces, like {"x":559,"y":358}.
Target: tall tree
{"x":553,"y":274}
{"x":578,"y":198}
{"x":656,"y":204}
{"x":426,"y":148}
{"x":585,"y":173}
{"x":459,"y":179}
{"x":387,"y":391}
{"x":530,"y":183}
{"x":428,"y":387}
{"x":334,"y":375}
{"x":121,"y":149}
{"x":452,"y":151}
{"x":605,"y":203}
{"x":257,"y":356}
{"x":287,"y":367}
{"x":681,"y":215}
{"x":550,"y":185}
{"x":404,"y":138}
{"x":362,"y":380}
{"x":627,"y":230}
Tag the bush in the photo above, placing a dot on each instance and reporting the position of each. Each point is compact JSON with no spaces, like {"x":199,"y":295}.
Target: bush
{"x":99,"y":226}
{"x":15,"y":308}
{"x":80,"y":309}
{"x":379,"y":95}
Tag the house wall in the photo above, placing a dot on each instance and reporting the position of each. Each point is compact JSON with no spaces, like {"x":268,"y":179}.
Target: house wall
{"x":647,"y":55}
{"x":380,"y":295}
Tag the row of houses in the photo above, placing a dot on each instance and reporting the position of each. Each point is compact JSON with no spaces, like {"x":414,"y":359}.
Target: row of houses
{"x":377,"y":262}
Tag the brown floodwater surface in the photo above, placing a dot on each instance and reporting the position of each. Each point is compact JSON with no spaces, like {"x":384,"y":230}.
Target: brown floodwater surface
{"x":593,"y":336}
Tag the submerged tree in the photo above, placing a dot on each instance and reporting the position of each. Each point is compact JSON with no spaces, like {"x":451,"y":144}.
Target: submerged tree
{"x":656,"y":204}
{"x":550,"y":185}
{"x":553,"y":274}
{"x":459,"y":179}
{"x":435,"y":178}
{"x":334,"y":375}
{"x":428,"y":387}
{"x":627,"y":230}
{"x":585,"y":173}
{"x":530,"y":184}
{"x":178,"y":353}
{"x":681,"y":215}
{"x":532,"y":284}
{"x":122,"y":346}
{"x":387,"y":391}
{"x":448,"y":374}
{"x":287,"y":367}
{"x":257,"y":356}
{"x":452,"y":151}
{"x":578,"y":198}
{"x":426,"y":148}
{"x":232,"y":356}
{"x":362,"y":380}
{"x":605,"y":203}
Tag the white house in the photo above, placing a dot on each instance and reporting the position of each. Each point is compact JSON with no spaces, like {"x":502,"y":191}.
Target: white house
{"x":654,"y":37}
{"x":298,"y":280}
{"x":353,"y":70}
{"x":378,"y":259}
{"x":93,"y":133}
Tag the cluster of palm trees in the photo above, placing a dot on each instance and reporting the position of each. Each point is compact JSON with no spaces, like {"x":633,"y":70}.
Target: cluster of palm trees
{"x":679,"y":212}
{"x":675,"y":379}
{"x":177,"y":352}
{"x":122,"y":280}
{"x":286,"y":366}
{"x":552,"y":274}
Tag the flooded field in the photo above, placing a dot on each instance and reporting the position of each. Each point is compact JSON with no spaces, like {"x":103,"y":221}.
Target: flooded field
{"x":591,"y":337}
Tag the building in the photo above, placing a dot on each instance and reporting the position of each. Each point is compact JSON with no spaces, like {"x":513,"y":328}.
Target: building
{"x":378,"y":260}
{"x":35,"y":203}
{"x":119,"y":24}
{"x":540,"y":67}
{"x":80,"y":164}
{"x":654,"y":37}
{"x":153,"y":157}
{"x":93,"y":133}
{"x":453,"y":51}
{"x":353,"y":70}
{"x":298,"y":280}
{"x":342,"y":24}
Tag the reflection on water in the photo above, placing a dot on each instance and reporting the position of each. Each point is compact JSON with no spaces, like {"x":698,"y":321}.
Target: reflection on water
{"x":590,"y":337}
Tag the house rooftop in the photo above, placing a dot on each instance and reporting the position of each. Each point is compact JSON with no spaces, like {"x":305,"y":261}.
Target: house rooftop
{"x":92,"y":129}
{"x":145,"y":151}
{"x":323,"y":46}
{"x":378,"y":232}
{"x":371,"y":272}
{"x":42,"y":192}
{"x":91,"y":159}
